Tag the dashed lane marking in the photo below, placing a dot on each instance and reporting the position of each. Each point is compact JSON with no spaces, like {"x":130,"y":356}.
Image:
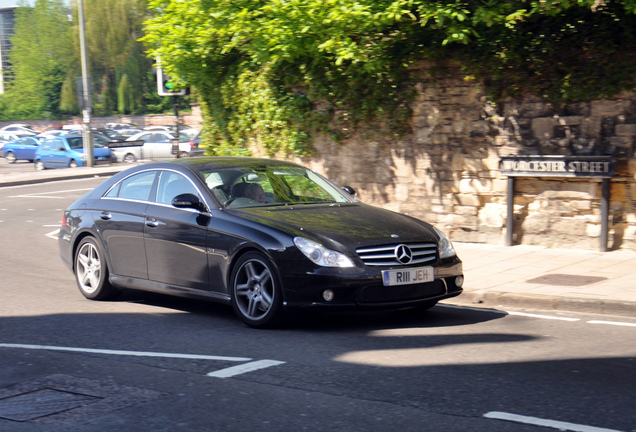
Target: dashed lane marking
{"x":244,"y":368}
{"x":222,"y":373}
{"x":53,"y":234}
{"x":549,"y":317}
{"x":564,"y":426}
{"x":49,"y":194}
{"x":616,"y":323}
{"x":539,"y":316}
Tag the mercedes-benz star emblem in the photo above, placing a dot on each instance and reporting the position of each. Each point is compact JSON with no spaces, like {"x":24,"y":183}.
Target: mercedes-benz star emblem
{"x":403,"y":254}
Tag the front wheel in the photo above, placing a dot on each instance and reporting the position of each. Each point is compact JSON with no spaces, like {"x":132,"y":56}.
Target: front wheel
{"x":256,"y":291}
{"x":73,"y":164}
{"x":39,"y":165}
{"x":10,"y":157}
{"x":91,"y":271}
{"x":130,"y":158}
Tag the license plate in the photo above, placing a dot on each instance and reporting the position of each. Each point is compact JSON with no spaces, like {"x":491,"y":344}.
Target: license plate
{"x":407,"y":276}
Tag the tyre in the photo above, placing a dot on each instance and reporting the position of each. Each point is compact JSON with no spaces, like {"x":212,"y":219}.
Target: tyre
{"x":91,"y":271}
{"x":130,"y":158}
{"x":256,"y":291}
{"x":72,"y":164}
{"x":10,"y":157}
{"x":39,"y":166}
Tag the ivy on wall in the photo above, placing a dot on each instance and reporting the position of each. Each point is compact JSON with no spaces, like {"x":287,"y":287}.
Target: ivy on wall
{"x":274,"y":72}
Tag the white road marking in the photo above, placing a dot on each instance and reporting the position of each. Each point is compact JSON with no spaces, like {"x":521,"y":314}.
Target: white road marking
{"x":45,"y":194}
{"x":126,"y":353}
{"x":616,"y":323}
{"x":564,"y":426}
{"x":53,"y":234}
{"x":244,"y":368}
{"x":543,"y":316}
{"x":223,"y":373}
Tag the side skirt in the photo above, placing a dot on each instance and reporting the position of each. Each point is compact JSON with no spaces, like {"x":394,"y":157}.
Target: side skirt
{"x":162,"y":288}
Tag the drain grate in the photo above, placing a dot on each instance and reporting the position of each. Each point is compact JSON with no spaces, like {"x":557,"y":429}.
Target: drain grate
{"x":41,"y":403}
{"x":566,"y":280}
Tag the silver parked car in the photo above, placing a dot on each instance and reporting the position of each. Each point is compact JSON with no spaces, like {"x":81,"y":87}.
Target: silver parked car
{"x":156,"y":145}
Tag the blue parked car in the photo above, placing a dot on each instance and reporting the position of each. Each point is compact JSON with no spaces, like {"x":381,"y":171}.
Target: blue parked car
{"x":67,"y":151}
{"x":21,"y":149}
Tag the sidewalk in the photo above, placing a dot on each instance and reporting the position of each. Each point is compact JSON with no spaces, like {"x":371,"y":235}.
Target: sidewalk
{"x":549,"y":279}
{"x":531,"y":277}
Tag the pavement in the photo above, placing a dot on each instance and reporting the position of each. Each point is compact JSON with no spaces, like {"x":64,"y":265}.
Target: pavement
{"x":529,"y":277}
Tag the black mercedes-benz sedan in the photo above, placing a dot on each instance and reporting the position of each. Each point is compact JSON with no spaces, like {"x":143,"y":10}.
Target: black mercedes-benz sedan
{"x":263,"y":235}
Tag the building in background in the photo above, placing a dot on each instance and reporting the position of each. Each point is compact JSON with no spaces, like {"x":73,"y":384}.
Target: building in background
{"x":7,"y":21}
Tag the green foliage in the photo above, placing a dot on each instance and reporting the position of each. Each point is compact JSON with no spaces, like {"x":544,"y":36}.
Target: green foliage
{"x":115,"y":54}
{"x":273,"y":71}
{"x":41,"y":60}
{"x":563,"y":55}
{"x":46,"y":62}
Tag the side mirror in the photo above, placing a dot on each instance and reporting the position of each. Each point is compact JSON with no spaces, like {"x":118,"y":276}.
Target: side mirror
{"x":188,"y":200}
{"x":348,"y":189}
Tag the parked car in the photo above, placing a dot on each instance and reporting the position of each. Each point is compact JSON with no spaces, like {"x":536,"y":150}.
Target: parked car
{"x":21,"y":149}
{"x":120,"y":126}
{"x":111,"y":134}
{"x":9,"y":137}
{"x":156,"y":145}
{"x":67,"y":151}
{"x":19,"y":129}
{"x":265,"y":236}
{"x":186,"y":129}
{"x":52,"y":133}
{"x":127,"y":133}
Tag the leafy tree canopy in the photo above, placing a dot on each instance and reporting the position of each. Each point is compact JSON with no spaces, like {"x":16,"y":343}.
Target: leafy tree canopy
{"x":40,"y":59}
{"x":267,"y":68}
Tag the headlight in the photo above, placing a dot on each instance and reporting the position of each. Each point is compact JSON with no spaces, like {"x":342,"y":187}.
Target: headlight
{"x":446,"y":249}
{"x":321,"y":255}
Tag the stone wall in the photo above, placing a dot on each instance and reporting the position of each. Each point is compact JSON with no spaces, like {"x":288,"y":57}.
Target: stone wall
{"x":446,"y":170}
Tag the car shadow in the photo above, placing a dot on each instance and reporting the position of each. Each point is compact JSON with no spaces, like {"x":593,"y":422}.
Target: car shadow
{"x":327,"y":321}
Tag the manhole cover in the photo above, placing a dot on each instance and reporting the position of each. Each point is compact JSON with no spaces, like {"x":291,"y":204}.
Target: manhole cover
{"x":64,"y":399}
{"x":566,"y":280}
{"x":42,"y":403}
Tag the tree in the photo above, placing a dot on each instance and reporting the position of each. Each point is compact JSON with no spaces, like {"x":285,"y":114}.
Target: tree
{"x":41,"y":56}
{"x":113,"y":29}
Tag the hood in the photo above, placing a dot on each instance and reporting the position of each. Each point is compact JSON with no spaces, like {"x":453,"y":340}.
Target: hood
{"x":352,"y":225}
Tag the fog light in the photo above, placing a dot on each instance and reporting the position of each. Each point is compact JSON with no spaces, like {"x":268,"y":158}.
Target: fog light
{"x":459,"y":281}
{"x":327,"y":295}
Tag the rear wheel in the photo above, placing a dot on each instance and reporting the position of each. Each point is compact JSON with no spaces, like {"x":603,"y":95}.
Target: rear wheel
{"x":256,"y":291}
{"x":10,"y":157}
{"x":91,"y":271}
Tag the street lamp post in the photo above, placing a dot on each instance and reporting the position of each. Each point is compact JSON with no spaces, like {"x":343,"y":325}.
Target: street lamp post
{"x":86,"y":127}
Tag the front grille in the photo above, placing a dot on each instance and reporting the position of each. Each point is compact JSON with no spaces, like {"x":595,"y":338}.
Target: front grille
{"x":388,"y":255}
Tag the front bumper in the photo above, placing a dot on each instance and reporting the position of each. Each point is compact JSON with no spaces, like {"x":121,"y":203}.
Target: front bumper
{"x":363,"y":288}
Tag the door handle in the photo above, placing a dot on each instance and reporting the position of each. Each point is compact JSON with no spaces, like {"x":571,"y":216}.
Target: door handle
{"x":152,"y":223}
{"x":105,"y":216}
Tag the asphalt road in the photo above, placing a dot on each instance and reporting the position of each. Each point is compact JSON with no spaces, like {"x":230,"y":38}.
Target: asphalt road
{"x":148,"y":362}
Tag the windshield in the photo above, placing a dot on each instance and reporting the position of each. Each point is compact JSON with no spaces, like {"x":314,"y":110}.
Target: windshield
{"x":271,"y":186}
